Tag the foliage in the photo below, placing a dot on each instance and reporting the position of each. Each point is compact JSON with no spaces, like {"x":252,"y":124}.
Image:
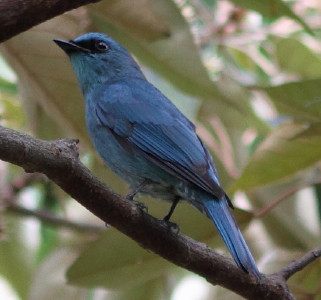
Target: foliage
{"x":248,"y":73}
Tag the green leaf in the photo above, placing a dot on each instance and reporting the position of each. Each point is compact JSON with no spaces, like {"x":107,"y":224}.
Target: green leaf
{"x":173,"y":56}
{"x":51,"y":98}
{"x":293,"y":56}
{"x":243,"y":59}
{"x":48,"y":281}
{"x":114,"y":260}
{"x":7,"y":87}
{"x":317,"y":190}
{"x":12,"y":112}
{"x":286,"y":215}
{"x":6,"y":73}
{"x":308,"y":281}
{"x":284,"y":152}
{"x":48,"y":201}
{"x":16,"y":259}
{"x":300,"y":99}
{"x":273,"y":9}
{"x":47,"y":81}
{"x":156,"y":289}
{"x":39,"y":122}
{"x":211,"y":4}
{"x":46,"y":78}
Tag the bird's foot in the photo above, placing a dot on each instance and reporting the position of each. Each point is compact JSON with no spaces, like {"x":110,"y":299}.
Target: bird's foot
{"x":173,"y":227}
{"x":130,"y":196}
{"x":142,"y":206}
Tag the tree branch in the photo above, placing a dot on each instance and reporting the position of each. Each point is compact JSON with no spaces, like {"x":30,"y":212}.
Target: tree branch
{"x":20,"y":15}
{"x":46,"y":216}
{"x":53,"y":220}
{"x":284,"y":195}
{"x":299,"y":264}
{"x":59,"y":161}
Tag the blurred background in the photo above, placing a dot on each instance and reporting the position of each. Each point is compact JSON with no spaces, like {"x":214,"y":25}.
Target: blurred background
{"x":247,"y":73}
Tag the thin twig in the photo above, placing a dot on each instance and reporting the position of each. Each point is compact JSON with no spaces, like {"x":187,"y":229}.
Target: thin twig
{"x":299,"y":264}
{"x":282,"y":196}
{"x":24,"y":180}
{"x":51,"y":219}
{"x":276,"y":201}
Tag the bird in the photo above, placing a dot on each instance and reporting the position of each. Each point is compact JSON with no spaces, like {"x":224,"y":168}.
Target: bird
{"x":144,"y":138}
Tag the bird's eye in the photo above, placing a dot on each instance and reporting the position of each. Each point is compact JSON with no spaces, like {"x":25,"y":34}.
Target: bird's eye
{"x":101,"y":46}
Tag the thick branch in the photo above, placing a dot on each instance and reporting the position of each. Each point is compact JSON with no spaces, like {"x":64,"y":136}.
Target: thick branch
{"x":59,"y":161}
{"x":20,"y":15}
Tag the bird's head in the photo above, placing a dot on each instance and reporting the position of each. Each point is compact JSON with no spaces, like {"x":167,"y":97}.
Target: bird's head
{"x":97,"y":58}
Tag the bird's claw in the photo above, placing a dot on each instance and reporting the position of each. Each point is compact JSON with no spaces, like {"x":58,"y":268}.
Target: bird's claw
{"x":173,"y":227}
{"x":129,"y":197}
{"x":140,"y":205}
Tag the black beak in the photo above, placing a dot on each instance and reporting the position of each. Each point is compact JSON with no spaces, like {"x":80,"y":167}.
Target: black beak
{"x":70,"y":46}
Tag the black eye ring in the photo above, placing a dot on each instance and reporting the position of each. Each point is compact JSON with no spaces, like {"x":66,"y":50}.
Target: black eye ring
{"x":101,"y":46}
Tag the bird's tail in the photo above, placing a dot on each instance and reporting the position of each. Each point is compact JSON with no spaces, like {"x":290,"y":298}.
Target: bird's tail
{"x":219,"y":213}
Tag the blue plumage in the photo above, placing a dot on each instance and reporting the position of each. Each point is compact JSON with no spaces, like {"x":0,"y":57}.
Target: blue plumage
{"x":219,"y":212}
{"x":146,"y":140}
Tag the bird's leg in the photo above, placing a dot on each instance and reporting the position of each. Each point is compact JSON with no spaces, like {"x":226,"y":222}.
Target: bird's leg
{"x":172,"y":226}
{"x":134,"y":191}
{"x":171,"y":210}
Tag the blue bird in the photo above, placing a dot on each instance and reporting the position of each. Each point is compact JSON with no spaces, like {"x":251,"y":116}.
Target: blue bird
{"x":146,"y":140}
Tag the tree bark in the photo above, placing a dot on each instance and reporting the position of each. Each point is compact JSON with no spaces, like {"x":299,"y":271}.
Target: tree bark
{"x":20,"y":15}
{"x":58,"y":160}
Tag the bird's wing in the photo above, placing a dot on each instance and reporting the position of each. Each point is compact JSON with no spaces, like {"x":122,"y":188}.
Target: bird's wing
{"x":160,"y":131}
